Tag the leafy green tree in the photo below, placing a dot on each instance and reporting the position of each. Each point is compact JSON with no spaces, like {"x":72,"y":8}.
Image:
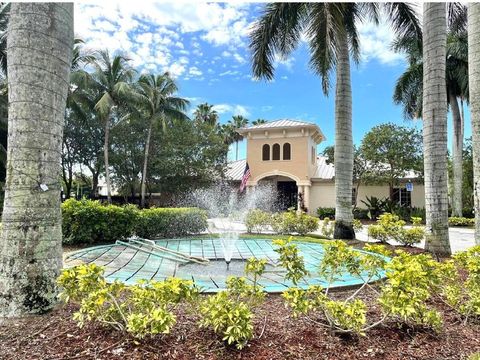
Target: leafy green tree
{"x":160,"y":103}
{"x":392,"y":151}
{"x":200,"y":151}
{"x":332,"y":36}
{"x":206,"y":114}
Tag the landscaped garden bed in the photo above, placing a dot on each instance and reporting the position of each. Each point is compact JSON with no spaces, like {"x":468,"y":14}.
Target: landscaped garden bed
{"x":280,"y":336}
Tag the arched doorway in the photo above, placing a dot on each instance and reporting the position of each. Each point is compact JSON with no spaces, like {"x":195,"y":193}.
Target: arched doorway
{"x":286,"y":194}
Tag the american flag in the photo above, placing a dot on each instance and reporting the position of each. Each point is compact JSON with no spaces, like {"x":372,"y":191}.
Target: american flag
{"x":245,"y":177}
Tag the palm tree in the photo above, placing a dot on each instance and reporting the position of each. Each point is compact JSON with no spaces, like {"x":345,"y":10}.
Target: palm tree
{"x":474,"y":82}
{"x":206,"y":114}
{"x":31,"y":234}
{"x":157,"y":94}
{"x":259,"y":122}
{"x":330,"y":29}
{"x":409,"y":87}
{"x":237,"y":122}
{"x":113,"y":78}
{"x":435,"y":127}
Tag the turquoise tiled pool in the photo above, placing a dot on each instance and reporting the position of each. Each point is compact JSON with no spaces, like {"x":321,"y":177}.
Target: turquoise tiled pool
{"x":129,"y":264}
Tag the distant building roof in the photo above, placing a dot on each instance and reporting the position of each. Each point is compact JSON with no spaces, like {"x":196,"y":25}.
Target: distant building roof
{"x":282,"y":123}
{"x":235,"y":170}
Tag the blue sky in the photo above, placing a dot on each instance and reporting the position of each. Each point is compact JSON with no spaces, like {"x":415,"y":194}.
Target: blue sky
{"x":205,"y":46}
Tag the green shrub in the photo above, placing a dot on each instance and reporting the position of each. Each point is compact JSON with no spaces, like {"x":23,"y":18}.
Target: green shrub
{"x":326,"y":212}
{"x":257,"y":220}
{"x":360,"y":214}
{"x":290,"y":222}
{"x":411,"y":236}
{"x":170,"y":222}
{"x":141,"y":310}
{"x":357,"y":225}
{"x":328,"y":227}
{"x":230,"y":312}
{"x":460,"y":283}
{"x":411,"y":281}
{"x":88,"y":221}
{"x":460,"y":221}
{"x":388,"y":227}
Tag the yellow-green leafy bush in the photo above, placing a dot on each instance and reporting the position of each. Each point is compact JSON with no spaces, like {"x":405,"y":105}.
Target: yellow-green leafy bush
{"x":411,"y":282}
{"x":257,"y":221}
{"x":460,"y":285}
{"x":461,"y":221}
{"x":229,"y":313}
{"x":142,"y":310}
{"x":290,"y":222}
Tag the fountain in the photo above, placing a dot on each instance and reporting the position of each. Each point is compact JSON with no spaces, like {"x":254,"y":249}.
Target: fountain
{"x":227,"y":210}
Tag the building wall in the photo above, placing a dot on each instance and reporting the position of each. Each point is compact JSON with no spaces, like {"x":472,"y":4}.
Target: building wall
{"x":322,"y":194}
{"x":300,"y":164}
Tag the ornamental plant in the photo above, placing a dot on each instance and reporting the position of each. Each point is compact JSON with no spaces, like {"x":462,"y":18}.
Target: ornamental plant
{"x":142,"y":310}
{"x":257,"y":221}
{"x":348,"y":315}
{"x":460,"y":283}
{"x":411,"y":282}
{"x":328,"y":226}
{"x":388,"y":227}
{"x":229,"y":313}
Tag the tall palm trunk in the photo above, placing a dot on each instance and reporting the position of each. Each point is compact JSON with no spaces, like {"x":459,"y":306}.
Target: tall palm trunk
{"x":474,"y":88}
{"x":457,"y":156}
{"x":31,"y":235}
{"x":105,"y":156}
{"x":145,"y":162}
{"x":343,"y":144}
{"x":236,"y":152}
{"x":435,"y":128}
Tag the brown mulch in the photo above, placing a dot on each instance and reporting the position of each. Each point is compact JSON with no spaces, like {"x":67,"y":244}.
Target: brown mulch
{"x":56,"y":336}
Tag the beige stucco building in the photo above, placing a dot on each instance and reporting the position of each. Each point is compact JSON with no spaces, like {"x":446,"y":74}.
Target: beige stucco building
{"x":284,"y":154}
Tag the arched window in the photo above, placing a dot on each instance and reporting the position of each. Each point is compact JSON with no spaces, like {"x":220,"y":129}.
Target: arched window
{"x":266,"y":152}
{"x":286,"y":151}
{"x":276,"y":152}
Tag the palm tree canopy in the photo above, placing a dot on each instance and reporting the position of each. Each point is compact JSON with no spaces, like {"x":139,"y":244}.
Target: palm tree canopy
{"x":278,"y":32}
{"x":113,"y":77}
{"x":258,"y":122}
{"x":237,"y":122}
{"x":409,"y":87}
{"x":206,"y":114}
{"x":157,"y":95}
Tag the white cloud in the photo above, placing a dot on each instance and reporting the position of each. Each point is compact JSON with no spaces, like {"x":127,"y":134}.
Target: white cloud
{"x":152,"y":33}
{"x":229,"y":72}
{"x":232,"y":109}
{"x":194,"y":71}
{"x":375,"y":43}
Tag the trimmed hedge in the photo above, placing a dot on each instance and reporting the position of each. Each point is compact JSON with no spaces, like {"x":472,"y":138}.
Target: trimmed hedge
{"x":88,"y":222}
{"x":460,"y":221}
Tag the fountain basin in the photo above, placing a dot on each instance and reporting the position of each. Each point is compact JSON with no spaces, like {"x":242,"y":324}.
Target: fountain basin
{"x":130,"y":265}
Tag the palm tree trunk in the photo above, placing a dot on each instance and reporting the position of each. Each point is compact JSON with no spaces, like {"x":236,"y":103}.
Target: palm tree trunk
{"x":435,"y":128}
{"x":457,"y":156}
{"x":145,"y":160}
{"x":236,"y":156}
{"x":105,"y":156}
{"x":31,"y":235}
{"x":343,"y":144}
{"x":474,"y":88}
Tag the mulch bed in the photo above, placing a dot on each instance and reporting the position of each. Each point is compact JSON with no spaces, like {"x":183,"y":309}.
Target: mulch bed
{"x":278,"y":336}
